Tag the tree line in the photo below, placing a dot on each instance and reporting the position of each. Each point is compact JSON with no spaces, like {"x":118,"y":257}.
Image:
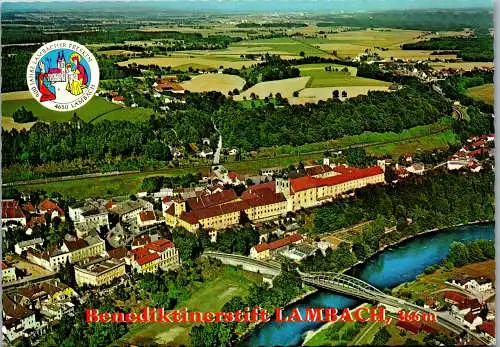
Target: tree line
{"x":242,"y":128}
{"x":469,"y":48}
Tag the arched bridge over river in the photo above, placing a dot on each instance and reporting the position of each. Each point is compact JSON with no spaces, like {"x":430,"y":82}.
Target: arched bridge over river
{"x":342,"y":284}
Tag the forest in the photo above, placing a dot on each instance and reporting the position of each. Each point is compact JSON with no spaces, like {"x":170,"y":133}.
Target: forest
{"x":436,"y":200}
{"x":271,"y":69}
{"x":246,"y":129}
{"x":469,"y":48}
{"x":426,"y":20}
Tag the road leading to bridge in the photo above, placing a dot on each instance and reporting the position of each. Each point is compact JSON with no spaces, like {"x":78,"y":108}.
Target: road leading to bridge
{"x":343,"y":284}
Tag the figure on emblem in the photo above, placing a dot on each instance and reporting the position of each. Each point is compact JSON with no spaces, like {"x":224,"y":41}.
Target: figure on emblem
{"x":45,"y":85}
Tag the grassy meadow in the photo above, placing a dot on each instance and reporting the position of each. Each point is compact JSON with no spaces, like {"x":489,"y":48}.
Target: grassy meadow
{"x":214,"y":82}
{"x":97,"y":109}
{"x":210,"y":296}
{"x":484,"y":93}
{"x":285,"y":87}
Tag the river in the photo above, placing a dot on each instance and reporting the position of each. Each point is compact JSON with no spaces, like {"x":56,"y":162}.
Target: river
{"x":399,"y":264}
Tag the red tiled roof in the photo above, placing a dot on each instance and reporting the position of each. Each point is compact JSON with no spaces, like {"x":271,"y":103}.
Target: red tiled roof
{"x":49,"y":206}
{"x":139,"y":252}
{"x":317,"y":170}
{"x":36,"y":220}
{"x":14,"y":310}
{"x":268,"y":185}
{"x":166,"y":199}
{"x":261,"y":247}
{"x":11,"y":209}
{"x":160,"y":245}
{"x":456,"y":297}
{"x":488,"y":327}
{"x":212,"y":200}
{"x":478,"y":152}
{"x":232,"y":175}
{"x":147,"y":216}
{"x":118,"y":98}
{"x":110,"y":204}
{"x":414,"y":327}
{"x":285,"y":241}
{"x":195,"y":216}
{"x":147,"y":258}
{"x":473,"y":304}
{"x":346,"y":174}
{"x":28,"y":207}
{"x":478,"y":143}
{"x":118,"y":253}
{"x":75,"y":245}
{"x":141,"y":240}
{"x":469,"y":317}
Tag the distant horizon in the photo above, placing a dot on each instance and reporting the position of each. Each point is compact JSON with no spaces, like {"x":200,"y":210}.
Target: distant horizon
{"x":255,"y":6}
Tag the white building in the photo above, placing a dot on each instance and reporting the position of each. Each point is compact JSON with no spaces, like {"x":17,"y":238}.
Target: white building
{"x":89,"y":211}
{"x":25,"y":245}
{"x":17,"y":320}
{"x":129,"y":210}
{"x":8,"y":273}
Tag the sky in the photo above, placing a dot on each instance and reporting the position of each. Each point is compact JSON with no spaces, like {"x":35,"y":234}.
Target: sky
{"x":270,"y":5}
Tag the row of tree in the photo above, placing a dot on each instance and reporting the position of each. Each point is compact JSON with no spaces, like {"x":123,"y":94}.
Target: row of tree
{"x":468,"y":48}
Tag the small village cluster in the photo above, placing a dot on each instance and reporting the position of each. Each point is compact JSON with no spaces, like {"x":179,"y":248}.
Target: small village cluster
{"x":467,"y":157}
{"x":465,"y":300}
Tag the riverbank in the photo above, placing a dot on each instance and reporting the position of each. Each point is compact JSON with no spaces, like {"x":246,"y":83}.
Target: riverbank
{"x":411,"y":237}
{"x":310,"y":333}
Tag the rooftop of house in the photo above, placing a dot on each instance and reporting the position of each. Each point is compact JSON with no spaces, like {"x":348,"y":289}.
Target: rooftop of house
{"x":147,"y":258}
{"x":141,"y":240}
{"x":50,"y":205}
{"x":318,"y":170}
{"x":101,"y":265}
{"x":128,"y":206}
{"x":488,"y":327}
{"x":13,"y":311}
{"x":147,"y":216}
{"x":31,"y":242}
{"x":346,"y":174}
{"x":118,"y":253}
{"x":197,"y":203}
{"x":278,"y":243}
{"x":11,"y":209}
{"x":42,"y":289}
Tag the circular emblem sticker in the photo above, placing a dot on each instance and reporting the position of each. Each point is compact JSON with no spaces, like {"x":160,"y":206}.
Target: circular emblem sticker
{"x":63,"y":75}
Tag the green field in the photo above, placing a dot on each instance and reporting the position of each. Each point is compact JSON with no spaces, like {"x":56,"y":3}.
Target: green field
{"x":426,"y":143}
{"x":322,"y":78}
{"x":96,"y":107}
{"x":281,"y":46}
{"x":210,"y":296}
{"x":110,"y":186}
{"x":90,"y":110}
{"x":138,"y":114}
{"x":484,"y":93}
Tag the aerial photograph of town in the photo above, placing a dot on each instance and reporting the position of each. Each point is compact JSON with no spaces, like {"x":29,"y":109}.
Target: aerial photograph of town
{"x":248,"y":173}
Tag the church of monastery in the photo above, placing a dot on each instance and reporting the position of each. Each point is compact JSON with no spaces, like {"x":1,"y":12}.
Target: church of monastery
{"x":267,"y":201}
